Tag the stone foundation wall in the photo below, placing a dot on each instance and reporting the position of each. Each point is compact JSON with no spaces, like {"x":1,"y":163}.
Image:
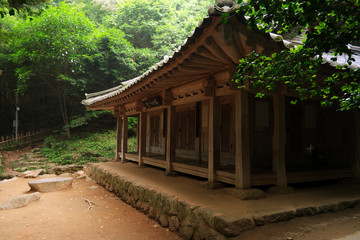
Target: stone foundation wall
{"x":195,"y":222}
{"x":190,"y":222}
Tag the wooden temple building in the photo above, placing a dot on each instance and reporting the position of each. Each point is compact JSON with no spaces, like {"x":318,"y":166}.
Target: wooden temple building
{"x":193,"y":119}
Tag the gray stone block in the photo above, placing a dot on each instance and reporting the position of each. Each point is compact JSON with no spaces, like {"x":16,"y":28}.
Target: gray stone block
{"x":232,"y":226}
{"x":21,"y":201}
{"x":51,"y":184}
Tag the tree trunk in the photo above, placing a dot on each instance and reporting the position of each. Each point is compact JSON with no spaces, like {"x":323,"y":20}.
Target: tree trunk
{"x":63,"y":109}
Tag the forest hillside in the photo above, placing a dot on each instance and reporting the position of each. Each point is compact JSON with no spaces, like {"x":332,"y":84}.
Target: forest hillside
{"x":51,"y":53}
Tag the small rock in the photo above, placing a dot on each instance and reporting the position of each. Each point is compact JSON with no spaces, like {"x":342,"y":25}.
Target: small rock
{"x":65,"y":175}
{"x":163,"y":219}
{"x":8,"y":180}
{"x":33,"y":174}
{"x":94,"y":187}
{"x":21,"y":201}
{"x":51,"y":184}
{"x":79,"y":173}
{"x":174,"y":223}
{"x":23,"y":174}
{"x":81,"y":177}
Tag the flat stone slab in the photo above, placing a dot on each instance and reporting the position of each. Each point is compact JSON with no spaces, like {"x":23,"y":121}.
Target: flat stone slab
{"x":21,"y":201}
{"x":32,"y":174}
{"x":51,"y":184}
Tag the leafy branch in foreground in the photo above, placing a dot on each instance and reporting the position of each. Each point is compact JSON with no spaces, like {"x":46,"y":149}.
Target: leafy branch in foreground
{"x":327,"y":26}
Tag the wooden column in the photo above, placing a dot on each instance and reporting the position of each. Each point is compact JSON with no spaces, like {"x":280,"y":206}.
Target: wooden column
{"x":142,"y":137}
{"x":279,"y":140}
{"x":170,"y":139}
{"x":242,"y":141}
{"x":148,"y":133}
{"x":118,"y":136}
{"x":124,"y":138}
{"x":214,"y":138}
{"x":357,"y":146}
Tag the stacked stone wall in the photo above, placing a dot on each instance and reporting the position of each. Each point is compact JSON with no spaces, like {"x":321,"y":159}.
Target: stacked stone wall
{"x":193,"y":222}
{"x":178,"y":216}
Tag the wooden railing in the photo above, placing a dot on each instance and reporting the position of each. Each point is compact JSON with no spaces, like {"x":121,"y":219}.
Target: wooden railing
{"x":24,"y":139}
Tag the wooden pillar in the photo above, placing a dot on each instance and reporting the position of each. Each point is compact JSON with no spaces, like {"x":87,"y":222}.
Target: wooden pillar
{"x":356,"y":165}
{"x":242,"y":141}
{"x":142,"y":137}
{"x":170,"y":139}
{"x":148,"y":133}
{"x":118,"y":136}
{"x":124,"y":138}
{"x":214,"y":138}
{"x":279,"y":140}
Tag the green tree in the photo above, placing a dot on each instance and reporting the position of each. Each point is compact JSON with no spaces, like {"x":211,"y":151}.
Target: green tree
{"x":50,"y":50}
{"x":158,"y":25}
{"x":328,"y":26}
{"x":111,"y":62}
{"x":11,"y":7}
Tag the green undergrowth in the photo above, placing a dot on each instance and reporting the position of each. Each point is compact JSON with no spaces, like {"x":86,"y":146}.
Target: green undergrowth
{"x":80,"y":148}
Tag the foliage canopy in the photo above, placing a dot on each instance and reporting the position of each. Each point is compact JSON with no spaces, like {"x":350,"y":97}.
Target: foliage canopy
{"x":328,"y":26}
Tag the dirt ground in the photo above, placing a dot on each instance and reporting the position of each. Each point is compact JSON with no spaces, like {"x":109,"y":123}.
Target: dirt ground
{"x":66,"y":215}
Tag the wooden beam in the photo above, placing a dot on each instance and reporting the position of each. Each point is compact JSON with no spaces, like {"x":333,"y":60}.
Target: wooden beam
{"x":214,"y":137}
{"x":195,"y":69}
{"x":155,"y":108}
{"x":209,"y":86}
{"x":170,"y":138}
{"x":242,"y":141}
{"x":148,"y":133}
{"x":187,"y":88}
{"x":279,"y":140}
{"x":142,"y":138}
{"x":202,"y":51}
{"x":241,"y":36}
{"x":218,"y":51}
{"x":199,"y":64}
{"x":124,"y":138}
{"x":166,"y":97}
{"x":190,"y":99}
{"x":118,"y":137}
{"x":198,"y":59}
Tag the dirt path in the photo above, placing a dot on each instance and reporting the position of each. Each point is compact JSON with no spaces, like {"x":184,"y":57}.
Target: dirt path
{"x":65,"y":215}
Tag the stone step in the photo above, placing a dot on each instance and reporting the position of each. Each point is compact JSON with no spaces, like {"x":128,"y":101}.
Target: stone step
{"x":33,"y":174}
